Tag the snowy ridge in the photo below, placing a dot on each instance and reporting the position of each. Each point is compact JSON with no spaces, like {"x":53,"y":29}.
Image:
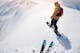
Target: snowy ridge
{"x":31,"y":30}
{"x":71,"y":3}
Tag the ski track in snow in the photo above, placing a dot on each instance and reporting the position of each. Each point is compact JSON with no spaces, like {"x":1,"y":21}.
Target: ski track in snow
{"x":30,"y":30}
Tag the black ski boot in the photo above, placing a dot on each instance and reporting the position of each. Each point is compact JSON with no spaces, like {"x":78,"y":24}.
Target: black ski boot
{"x":57,"y":33}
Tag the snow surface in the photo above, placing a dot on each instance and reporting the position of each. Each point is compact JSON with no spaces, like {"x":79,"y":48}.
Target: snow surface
{"x":26,"y":30}
{"x":71,"y":3}
{"x":75,"y":4}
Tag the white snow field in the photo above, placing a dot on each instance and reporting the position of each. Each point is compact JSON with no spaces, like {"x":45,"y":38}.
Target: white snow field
{"x":25,"y":29}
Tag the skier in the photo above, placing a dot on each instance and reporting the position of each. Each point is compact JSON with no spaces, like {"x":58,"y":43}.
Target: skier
{"x":55,"y":17}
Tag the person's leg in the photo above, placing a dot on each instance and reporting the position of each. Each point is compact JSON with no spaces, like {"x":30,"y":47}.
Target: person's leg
{"x":52,"y":23}
{"x":56,"y":29}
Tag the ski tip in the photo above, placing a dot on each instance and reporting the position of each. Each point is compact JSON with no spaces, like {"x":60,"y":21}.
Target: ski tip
{"x":51,"y":44}
{"x":44,"y":42}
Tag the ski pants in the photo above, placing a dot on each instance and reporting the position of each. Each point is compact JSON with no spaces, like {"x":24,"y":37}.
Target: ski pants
{"x":54,"y":22}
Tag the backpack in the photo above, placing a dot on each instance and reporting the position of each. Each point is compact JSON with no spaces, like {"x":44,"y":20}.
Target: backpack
{"x":60,"y":12}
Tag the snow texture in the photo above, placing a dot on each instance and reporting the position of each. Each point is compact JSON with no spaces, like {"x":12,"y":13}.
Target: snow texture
{"x":71,"y":3}
{"x":23,"y":29}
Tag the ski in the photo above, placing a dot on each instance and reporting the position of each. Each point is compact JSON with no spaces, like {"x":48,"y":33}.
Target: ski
{"x":43,"y":46}
{"x":50,"y":46}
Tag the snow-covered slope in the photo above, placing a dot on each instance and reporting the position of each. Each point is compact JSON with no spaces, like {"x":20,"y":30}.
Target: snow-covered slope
{"x":71,"y":3}
{"x":29,"y":30}
{"x":68,"y":3}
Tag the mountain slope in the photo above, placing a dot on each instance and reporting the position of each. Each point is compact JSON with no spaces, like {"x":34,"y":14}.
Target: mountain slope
{"x":31,"y":30}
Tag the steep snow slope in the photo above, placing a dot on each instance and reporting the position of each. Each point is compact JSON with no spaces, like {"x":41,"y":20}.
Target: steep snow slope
{"x":71,"y":3}
{"x":30,"y":30}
